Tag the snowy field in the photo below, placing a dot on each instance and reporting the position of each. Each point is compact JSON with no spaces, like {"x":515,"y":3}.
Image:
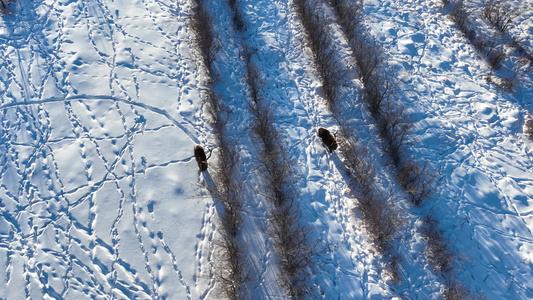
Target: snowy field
{"x":101,"y":197}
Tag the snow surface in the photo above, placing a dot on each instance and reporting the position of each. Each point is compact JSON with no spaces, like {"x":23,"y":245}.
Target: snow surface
{"x":100,"y":196}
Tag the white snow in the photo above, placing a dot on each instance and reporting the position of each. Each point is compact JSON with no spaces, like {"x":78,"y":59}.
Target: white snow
{"x":100,"y":195}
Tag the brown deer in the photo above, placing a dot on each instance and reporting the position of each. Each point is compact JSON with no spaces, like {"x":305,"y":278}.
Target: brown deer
{"x":328,"y":139}
{"x":201,"y":159}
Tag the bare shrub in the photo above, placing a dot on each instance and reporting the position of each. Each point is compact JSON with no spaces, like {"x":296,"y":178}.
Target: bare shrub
{"x":508,"y":83}
{"x":202,"y":26}
{"x":289,"y":235}
{"x":499,"y":14}
{"x":381,"y":220}
{"x":233,"y":273}
{"x":455,"y":290}
{"x":495,"y":54}
{"x":291,"y":241}
{"x":369,"y":54}
{"x":232,"y":263}
{"x":349,"y":14}
{"x":394,"y":129}
{"x":529,"y":127}
{"x":439,"y":253}
{"x":355,"y":159}
{"x":236,"y":15}
{"x":460,"y":16}
{"x":321,"y":46}
{"x":416,"y":182}
{"x":394,"y":268}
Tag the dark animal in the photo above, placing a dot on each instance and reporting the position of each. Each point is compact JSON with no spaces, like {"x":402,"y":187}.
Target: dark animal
{"x":201,"y":159}
{"x":327,"y":139}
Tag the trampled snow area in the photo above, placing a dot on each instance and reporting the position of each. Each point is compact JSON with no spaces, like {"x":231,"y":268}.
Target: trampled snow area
{"x":101,"y":197}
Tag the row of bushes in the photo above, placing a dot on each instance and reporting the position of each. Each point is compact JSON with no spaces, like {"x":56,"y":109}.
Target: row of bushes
{"x":379,"y":84}
{"x":493,"y":52}
{"x":231,"y":274}
{"x":529,"y":127}
{"x":394,"y":129}
{"x":501,"y":14}
{"x":492,"y":43}
{"x":289,"y":235}
{"x":380,"y":217}
{"x":320,"y":43}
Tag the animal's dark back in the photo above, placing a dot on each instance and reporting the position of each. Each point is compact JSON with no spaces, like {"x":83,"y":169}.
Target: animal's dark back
{"x":199,"y":153}
{"x":327,"y":139}
{"x":323,"y":132}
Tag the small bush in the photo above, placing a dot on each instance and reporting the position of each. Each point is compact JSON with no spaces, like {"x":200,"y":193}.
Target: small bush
{"x":416,"y":182}
{"x":381,"y":219}
{"x":236,"y":16}
{"x":454,"y":290}
{"x":394,"y":129}
{"x":529,"y":127}
{"x":350,"y":15}
{"x":439,"y":253}
{"x":499,"y":14}
{"x":495,"y":54}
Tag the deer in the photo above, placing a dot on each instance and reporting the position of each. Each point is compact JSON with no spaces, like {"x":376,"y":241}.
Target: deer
{"x":328,"y":139}
{"x":201,"y":158}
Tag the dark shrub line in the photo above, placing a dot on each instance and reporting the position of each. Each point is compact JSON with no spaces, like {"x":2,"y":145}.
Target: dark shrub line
{"x":491,"y":44}
{"x":289,"y":235}
{"x":202,"y":26}
{"x":499,"y":14}
{"x":236,"y":16}
{"x":493,"y":52}
{"x":380,"y":217}
{"x":442,"y":260}
{"x":231,"y":274}
{"x":320,"y":43}
{"x":394,"y":129}
{"x":529,"y":127}
{"x":378,"y":83}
